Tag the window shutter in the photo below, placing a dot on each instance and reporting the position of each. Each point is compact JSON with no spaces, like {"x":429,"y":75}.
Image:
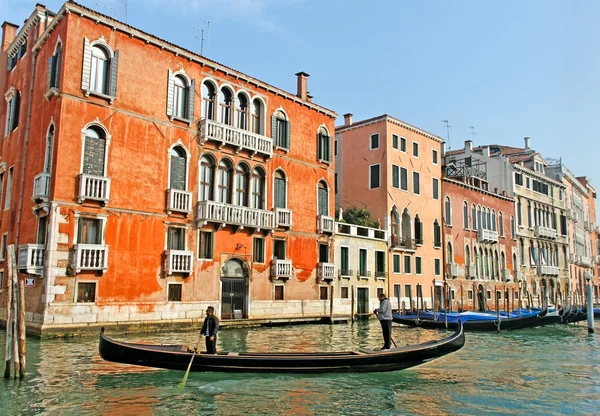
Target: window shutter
{"x":170,"y":86}
{"x":288,"y":134}
{"x":87,"y":65}
{"x":274,"y":129}
{"x":178,"y":172}
{"x":114,"y":69}
{"x":329,"y":141}
{"x":57,"y":59}
{"x":49,"y":74}
{"x":279,"y":193}
{"x":15,"y":111}
{"x":191,"y":100}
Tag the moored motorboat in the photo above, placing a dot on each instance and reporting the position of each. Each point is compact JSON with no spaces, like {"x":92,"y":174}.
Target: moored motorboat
{"x":177,"y":357}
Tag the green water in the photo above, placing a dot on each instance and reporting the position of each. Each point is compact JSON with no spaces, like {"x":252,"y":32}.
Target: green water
{"x":541,"y":371}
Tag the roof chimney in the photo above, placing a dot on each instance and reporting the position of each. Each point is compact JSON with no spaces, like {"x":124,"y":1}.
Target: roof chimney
{"x":347,"y":119}
{"x":526,"y":143}
{"x":302,"y":85}
{"x":9,"y":32}
{"x":469,"y":145}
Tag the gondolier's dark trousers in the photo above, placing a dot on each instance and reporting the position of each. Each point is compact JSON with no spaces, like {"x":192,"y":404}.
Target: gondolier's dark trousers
{"x":211,"y":346}
{"x":386,"y":328}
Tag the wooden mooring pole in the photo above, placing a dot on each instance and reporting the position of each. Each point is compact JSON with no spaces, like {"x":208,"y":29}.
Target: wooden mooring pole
{"x":22,"y":345}
{"x":9,"y":320}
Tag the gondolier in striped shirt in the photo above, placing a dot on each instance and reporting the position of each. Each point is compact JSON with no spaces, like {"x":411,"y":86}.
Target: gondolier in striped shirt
{"x":210,"y":329}
{"x":384,"y":313}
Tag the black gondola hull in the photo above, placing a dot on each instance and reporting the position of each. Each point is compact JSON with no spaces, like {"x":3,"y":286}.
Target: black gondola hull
{"x":175,"y":357}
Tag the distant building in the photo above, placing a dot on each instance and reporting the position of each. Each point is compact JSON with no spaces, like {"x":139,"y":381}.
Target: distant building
{"x":143,"y":182}
{"x":481,"y":266}
{"x":394,"y":170}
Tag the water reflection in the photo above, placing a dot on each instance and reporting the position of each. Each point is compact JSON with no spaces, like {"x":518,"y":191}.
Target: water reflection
{"x":543,"y":370}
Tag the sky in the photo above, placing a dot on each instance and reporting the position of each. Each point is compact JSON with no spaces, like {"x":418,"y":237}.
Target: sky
{"x":509,"y":69}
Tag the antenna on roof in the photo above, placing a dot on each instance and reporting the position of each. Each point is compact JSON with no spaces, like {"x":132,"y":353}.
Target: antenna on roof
{"x":106,"y":7}
{"x":125,"y":1}
{"x":202,"y":35}
{"x":447,"y":132}
{"x":472,"y":133}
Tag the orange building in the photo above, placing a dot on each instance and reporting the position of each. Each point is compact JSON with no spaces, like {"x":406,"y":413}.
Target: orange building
{"x":394,"y":170}
{"x":142,"y":182}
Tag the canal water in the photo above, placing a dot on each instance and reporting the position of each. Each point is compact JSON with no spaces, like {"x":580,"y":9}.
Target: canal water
{"x":554,"y":370}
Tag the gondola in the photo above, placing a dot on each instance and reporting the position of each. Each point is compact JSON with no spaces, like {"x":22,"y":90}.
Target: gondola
{"x":177,"y":357}
{"x":506,"y":324}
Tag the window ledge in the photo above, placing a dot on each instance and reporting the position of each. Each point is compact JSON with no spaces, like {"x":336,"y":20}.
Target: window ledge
{"x":328,"y":162}
{"x":183,"y":120}
{"x":110,"y":98}
{"x":285,"y":149}
{"x":51,"y":93}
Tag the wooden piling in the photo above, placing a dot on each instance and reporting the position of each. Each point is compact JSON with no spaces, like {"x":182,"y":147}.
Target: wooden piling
{"x":9,"y":319}
{"x":22,"y":345}
{"x":331,"y":304}
{"x":15,"y":283}
{"x":352,"y":304}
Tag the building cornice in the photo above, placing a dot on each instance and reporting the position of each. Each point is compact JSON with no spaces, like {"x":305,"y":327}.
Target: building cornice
{"x":473,"y":188}
{"x":530,"y":172}
{"x":36,"y":16}
{"x":388,"y":119}
{"x":99,"y":18}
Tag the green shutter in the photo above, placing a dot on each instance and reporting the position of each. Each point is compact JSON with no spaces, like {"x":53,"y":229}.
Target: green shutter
{"x":329,"y":143}
{"x":114,"y":69}
{"x":15,"y":111}
{"x":288,"y":134}
{"x":169,"y":93}
{"x":49,"y":74}
{"x":57,"y":59}
{"x":191,"y":100}
{"x":274,"y":129}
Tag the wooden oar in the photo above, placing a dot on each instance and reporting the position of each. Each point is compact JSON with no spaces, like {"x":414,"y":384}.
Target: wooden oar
{"x":181,"y":385}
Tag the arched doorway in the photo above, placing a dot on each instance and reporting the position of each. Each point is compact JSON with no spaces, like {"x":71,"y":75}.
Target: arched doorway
{"x":234,"y":289}
{"x":480,"y":299}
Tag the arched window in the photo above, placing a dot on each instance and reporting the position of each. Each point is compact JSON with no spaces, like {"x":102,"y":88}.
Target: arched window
{"x":94,"y":152}
{"x":395,"y":228}
{"x":280,"y":130}
{"x":418,"y":230}
{"x":519,"y":212}
{"x":480,"y":225}
{"x":241,"y":110}
{"x":522,"y":251}
{"x":448,"y":211}
{"x":515,"y":265}
{"x":178,"y":168}
{"x":465,"y":215}
{"x":489,"y":219}
{"x":512,"y":227}
{"x":258,"y":188}
{"x":493,"y":227}
{"x":224,"y":187}
{"x":225,"y":101}
{"x":208,"y":100}
{"x":529,"y":215}
{"x":49,"y":144}
{"x":279,"y":190}
{"x":324,"y":145}
{"x":406,"y":227}
{"x":501,"y":223}
{"x":474,"y":216}
{"x":180,"y":96}
{"x":323,"y":199}
{"x":100,"y":69}
{"x":54,"y":67}
{"x":207,"y":174}
{"x":437,"y":234}
{"x":449,"y":254}
{"x":481,"y":262}
{"x":242,"y":179}
{"x":257,"y":116}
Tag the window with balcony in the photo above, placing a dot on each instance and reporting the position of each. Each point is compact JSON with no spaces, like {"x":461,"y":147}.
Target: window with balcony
{"x":374,"y":143}
{"x":176,"y":238}
{"x":344,"y":261}
{"x":374,"y":179}
{"x":323,"y":199}
{"x":205,"y":245}
{"x":241,"y":111}
{"x":94,"y":152}
{"x":48,"y":154}
{"x":362,"y":262}
{"x":279,"y":190}
{"x":178,"y":168}
{"x":279,"y":291}
{"x":242,"y":181}
{"x":258,"y":188}
{"x":180,"y":96}
{"x":258,"y":250}
{"x":54,"y":63}
{"x":323,"y":253}
{"x":323,"y":145}
{"x":86,"y":292}
{"x":42,"y":228}
{"x":226,"y":106}
{"x":257,"y":117}
{"x":280,"y":130}
{"x":279,"y":251}
{"x":207,"y":174}
{"x":208,"y":100}
{"x":224,"y":187}
{"x":13,"y":106}
{"x":174,"y":292}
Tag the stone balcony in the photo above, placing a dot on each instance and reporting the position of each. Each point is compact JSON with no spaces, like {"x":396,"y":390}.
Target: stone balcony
{"x":506,"y":275}
{"x":41,"y":186}
{"x":548,"y":270}
{"x":31,"y":258}
{"x":363,"y":274}
{"x":179,"y":261}
{"x":283,"y":218}
{"x":344,"y":273}
{"x":584,"y":261}
{"x":179,"y":201}
{"x":227,"y":214}
{"x":240,"y":139}
{"x":545,"y":232}
{"x":325,"y":271}
{"x":403,"y":244}
{"x":487,"y":236}
{"x":471,"y":271}
{"x":91,"y":257}
{"x":452,"y":270}
{"x":92,"y":187}
{"x":360,"y":231}
{"x":325,"y":224}
{"x":281,"y":269}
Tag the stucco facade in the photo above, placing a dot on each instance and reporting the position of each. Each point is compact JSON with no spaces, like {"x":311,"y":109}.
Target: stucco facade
{"x":155,"y":181}
{"x":393,"y":169}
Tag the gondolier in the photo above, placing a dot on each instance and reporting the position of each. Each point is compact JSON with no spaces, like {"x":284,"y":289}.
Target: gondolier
{"x":384,"y":313}
{"x":210,"y":329}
